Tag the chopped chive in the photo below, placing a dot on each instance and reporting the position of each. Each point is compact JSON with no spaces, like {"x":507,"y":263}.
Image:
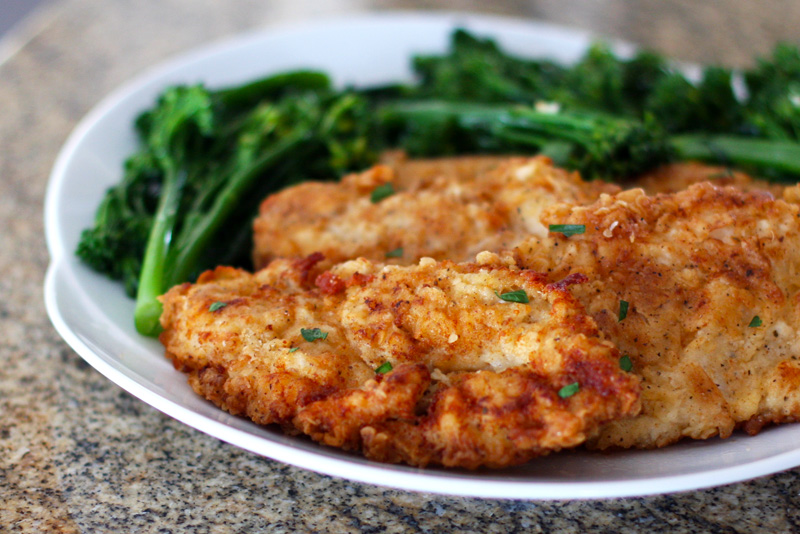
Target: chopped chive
{"x":568,"y":229}
{"x":381,"y":192}
{"x":625,"y":363}
{"x":313,"y":334}
{"x":514,"y":296}
{"x":217,"y":305}
{"x":623,"y":309}
{"x":294,"y":349}
{"x":385,"y":367}
{"x":396,"y":253}
{"x":569,"y":390}
{"x":755,"y":322}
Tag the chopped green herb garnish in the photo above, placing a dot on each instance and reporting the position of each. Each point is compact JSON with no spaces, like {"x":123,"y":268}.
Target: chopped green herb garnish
{"x":396,"y":253}
{"x":755,"y":322}
{"x":381,"y":192}
{"x":625,"y":363}
{"x":385,"y":367}
{"x":623,"y":309}
{"x":568,"y":229}
{"x":514,"y":296}
{"x":216,"y":306}
{"x":313,"y":334}
{"x":294,"y":349}
{"x":569,"y":390}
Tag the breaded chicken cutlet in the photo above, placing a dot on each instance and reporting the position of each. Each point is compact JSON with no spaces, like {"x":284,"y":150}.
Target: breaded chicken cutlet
{"x":427,"y":364}
{"x":404,"y":210}
{"x":711,"y":278}
{"x":704,"y":375}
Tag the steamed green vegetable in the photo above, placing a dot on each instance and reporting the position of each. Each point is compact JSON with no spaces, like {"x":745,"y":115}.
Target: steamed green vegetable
{"x":207,"y":157}
{"x":598,"y":144}
{"x":773,"y":108}
{"x":189,"y":195}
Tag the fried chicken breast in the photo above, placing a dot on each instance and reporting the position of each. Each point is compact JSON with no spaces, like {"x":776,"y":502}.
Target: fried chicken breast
{"x":427,"y":364}
{"x":404,"y":210}
{"x":711,"y":276}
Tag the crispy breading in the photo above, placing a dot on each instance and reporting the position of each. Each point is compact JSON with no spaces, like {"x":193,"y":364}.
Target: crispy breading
{"x":679,"y":176}
{"x":712,"y":278}
{"x":475,"y":378}
{"x":449,"y":208}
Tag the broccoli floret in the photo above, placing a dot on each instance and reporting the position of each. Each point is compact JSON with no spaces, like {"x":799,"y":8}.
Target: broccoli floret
{"x":595,"y":82}
{"x":640,"y":75}
{"x":718,"y":108}
{"x":603,"y":81}
{"x":709,"y":105}
{"x":773,"y":108}
{"x":478,"y":70}
{"x":115,"y":243}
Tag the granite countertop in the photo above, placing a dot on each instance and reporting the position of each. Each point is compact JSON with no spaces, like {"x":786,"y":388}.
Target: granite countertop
{"x":79,"y":454}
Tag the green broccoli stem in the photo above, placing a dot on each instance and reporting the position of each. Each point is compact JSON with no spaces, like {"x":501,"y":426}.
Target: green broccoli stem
{"x":193,"y":241}
{"x":403,"y":110}
{"x":506,"y":128}
{"x":169,"y":260}
{"x":748,"y":152}
{"x":458,"y":126}
{"x":152,"y":278}
{"x":498,"y":119}
{"x":579,"y":128}
{"x":596,"y":144}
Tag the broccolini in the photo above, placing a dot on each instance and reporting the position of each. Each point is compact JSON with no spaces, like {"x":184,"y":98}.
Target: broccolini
{"x":207,"y":157}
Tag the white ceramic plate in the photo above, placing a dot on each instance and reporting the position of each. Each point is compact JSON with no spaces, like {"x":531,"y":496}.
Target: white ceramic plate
{"x":95,"y":317}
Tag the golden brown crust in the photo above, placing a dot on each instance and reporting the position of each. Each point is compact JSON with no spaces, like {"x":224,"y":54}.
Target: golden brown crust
{"x":677,"y":177}
{"x":696,"y":267}
{"x":475,"y":379}
{"x":696,"y":260}
{"x":450,"y":208}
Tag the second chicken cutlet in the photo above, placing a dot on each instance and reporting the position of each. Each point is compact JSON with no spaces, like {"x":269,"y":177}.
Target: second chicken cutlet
{"x":403,"y":210}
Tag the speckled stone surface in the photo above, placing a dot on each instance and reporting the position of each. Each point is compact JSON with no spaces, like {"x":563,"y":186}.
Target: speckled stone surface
{"x":80,"y":455}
